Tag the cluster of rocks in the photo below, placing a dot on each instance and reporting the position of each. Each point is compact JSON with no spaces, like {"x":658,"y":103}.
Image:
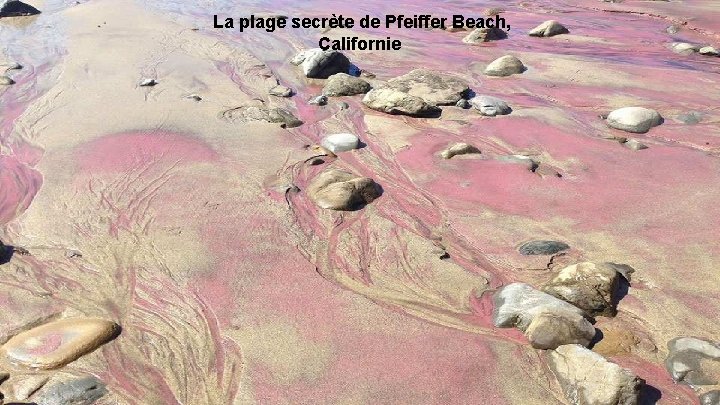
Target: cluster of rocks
{"x":685,"y":48}
{"x":5,"y":80}
{"x":696,"y":362}
{"x":51,"y":346}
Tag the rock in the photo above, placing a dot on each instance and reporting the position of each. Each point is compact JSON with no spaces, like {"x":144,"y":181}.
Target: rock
{"x":319,"y":100}
{"x":684,"y":48}
{"x":464,"y":104}
{"x":551,"y":329}
{"x":339,"y":190}
{"x":342,"y":84}
{"x":587,"y":378}
{"x":393,"y":101}
{"x":549,"y":28}
{"x":193,"y":97}
{"x":480,"y":35}
{"x":546,"y":171}
{"x":505,"y":66}
{"x":13,"y":66}
{"x":634,"y":119}
{"x":709,"y":51}
{"x":435,"y":88}
{"x":517,"y":304}
{"x":592,"y":287}
{"x":688,"y":361}
{"x":343,"y":105}
{"x":319,"y":64}
{"x":459,"y":149}
{"x":57,"y":343}
{"x":490,"y":106}
{"x":634,"y":144}
{"x":255,"y":113}
{"x":6,"y":81}
{"x":4,"y":376}
{"x":340,"y":142}
{"x":280,"y":91}
{"x":283,"y":117}
{"x":15,"y":8}
{"x":542,"y":247}
{"x":28,"y":385}
{"x":148,"y":82}
{"x":672,"y":29}
{"x":526,"y":161}
{"x":80,"y":391}
{"x":691,"y":118}
{"x":710,"y":398}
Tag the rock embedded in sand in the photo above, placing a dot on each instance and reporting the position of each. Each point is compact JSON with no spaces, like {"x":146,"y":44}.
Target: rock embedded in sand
{"x":280,"y":91}
{"x":490,"y":106}
{"x":634,"y":144}
{"x":6,"y":81}
{"x":256,"y":113}
{"x":433,"y":87}
{"x":459,"y":149}
{"x":319,"y":100}
{"x":339,"y":190}
{"x":709,"y":51}
{"x":16,"y":8}
{"x":542,"y":247}
{"x":690,"y":361}
{"x":505,"y":66}
{"x":517,"y":304}
{"x":464,"y":104}
{"x":587,"y":378}
{"x":57,"y":343}
{"x":549,"y":28}
{"x":684,"y":48}
{"x":592,"y":287}
{"x":319,"y":64}
{"x":28,"y":385}
{"x":340,"y":142}
{"x":393,"y":101}
{"x":342,"y":84}
{"x":148,"y":82}
{"x":481,"y":35}
{"x":79,"y":391}
{"x":710,"y":398}
{"x":634,"y":119}
{"x":551,"y":329}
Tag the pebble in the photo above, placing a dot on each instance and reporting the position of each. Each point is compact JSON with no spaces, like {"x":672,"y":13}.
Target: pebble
{"x":319,"y":100}
{"x":634,"y":144}
{"x":148,"y":82}
{"x":340,"y":142}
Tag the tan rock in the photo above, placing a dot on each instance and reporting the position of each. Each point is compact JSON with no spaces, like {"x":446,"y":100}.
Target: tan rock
{"x":551,"y":329}
{"x":459,"y":149}
{"x":339,"y":190}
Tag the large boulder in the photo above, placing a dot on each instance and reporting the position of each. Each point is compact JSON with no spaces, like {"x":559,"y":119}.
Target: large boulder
{"x":517,"y":304}
{"x":435,"y":88}
{"x":587,"y":378}
{"x":490,"y":106}
{"x":481,"y":35}
{"x":342,"y":84}
{"x":550,"y":329}
{"x":592,"y":287}
{"x":392,"y":101}
{"x":505,"y":66}
{"x":693,"y":361}
{"x":15,"y":8}
{"x":549,"y":28}
{"x":319,"y":64}
{"x":634,"y":119}
{"x":339,"y":190}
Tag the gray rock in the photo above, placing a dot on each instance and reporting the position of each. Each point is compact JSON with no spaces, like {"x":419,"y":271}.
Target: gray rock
{"x":340,"y":142}
{"x":505,"y":66}
{"x":342,"y":84}
{"x":550,"y":329}
{"x":343,"y":105}
{"x":6,"y":81}
{"x":319,"y":64}
{"x":459,"y":149}
{"x":634,"y":119}
{"x":684,"y":48}
{"x":709,"y":51}
{"x":81,"y":391}
{"x":319,"y":100}
{"x":283,"y":117}
{"x":393,"y":101}
{"x":481,"y":35}
{"x":148,"y":82}
{"x":464,"y":104}
{"x":687,"y":358}
{"x":339,"y":190}
{"x":592,"y":287}
{"x":255,"y":113}
{"x":280,"y":91}
{"x":710,"y":398}
{"x":490,"y":106}
{"x":587,"y":378}
{"x":548,"y":29}
{"x":517,"y":304}
{"x":28,"y":385}
{"x":433,"y":87}
{"x":15,"y":8}
{"x":542,"y":247}
{"x":634,"y":144}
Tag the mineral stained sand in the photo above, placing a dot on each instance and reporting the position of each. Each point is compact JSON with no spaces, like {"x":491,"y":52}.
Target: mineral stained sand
{"x":143,"y":207}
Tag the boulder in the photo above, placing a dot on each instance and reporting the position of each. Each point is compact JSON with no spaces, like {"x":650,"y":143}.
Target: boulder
{"x":342,"y":84}
{"x":542,"y":247}
{"x":490,"y":106}
{"x":549,"y":28}
{"x":15,"y":8}
{"x":587,"y":378}
{"x":319,"y":64}
{"x":480,"y":35}
{"x":693,"y":361}
{"x":393,"y":101}
{"x":340,"y":142}
{"x":339,"y":190}
{"x":78,"y":391}
{"x":505,"y":66}
{"x":634,"y":119}
{"x":710,"y":398}
{"x":459,"y":149}
{"x":550,"y":329}
{"x":592,"y":287}
{"x":435,"y":88}
{"x":517,"y":304}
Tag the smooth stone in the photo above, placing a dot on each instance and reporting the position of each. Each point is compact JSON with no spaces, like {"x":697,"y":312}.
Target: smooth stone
{"x":549,"y":28}
{"x":517,"y":304}
{"x":459,"y":149}
{"x":710,"y":398}
{"x":319,"y":64}
{"x":148,"y":82}
{"x":79,"y":391}
{"x":340,"y":142}
{"x":16,"y":8}
{"x":587,"y":378}
{"x":480,"y":35}
{"x":343,"y":105}
{"x":526,"y":161}
{"x":634,"y":119}
{"x":6,"y":81}
{"x":634,"y":144}
{"x":505,"y":66}
{"x":709,"y":51}
{"x":339,"y":190}
{"x":542,"y":247}
{"x":280,"y":91}
{"x":319,"y":100}
{"x":490,"y":106}
{"x":60,"y":342}
{"x":392,"y":101}
{"x":684,"y":48}
{"x":551,"y":329}
{"x":28,"y":385}
{"x":433,"y":87}
{"x":686,"y":358}
{"x":592,"y":287}
{"x":342,"y":84}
